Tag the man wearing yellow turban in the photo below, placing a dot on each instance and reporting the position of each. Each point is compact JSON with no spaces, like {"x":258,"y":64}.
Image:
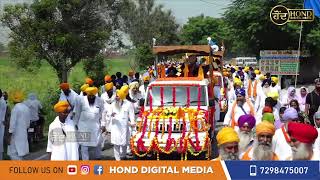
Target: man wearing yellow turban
{"x":122,"y":117}
{"x":62,"y":127}
{"x":88,"y":119}
{"x":17,"y":97}
{"x":262,"y":147}
{"x":19,"y":124}
{"x":275,"y":86}
{"x":144,"y":86}
{"x":83,"y":89}
{"x":228,"y":144}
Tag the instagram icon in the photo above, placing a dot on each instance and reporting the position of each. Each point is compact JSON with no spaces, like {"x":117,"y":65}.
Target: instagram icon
{"x":85,"y":169}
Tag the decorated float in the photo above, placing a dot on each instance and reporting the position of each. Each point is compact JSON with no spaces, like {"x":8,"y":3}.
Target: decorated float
{"x":178,"y":113}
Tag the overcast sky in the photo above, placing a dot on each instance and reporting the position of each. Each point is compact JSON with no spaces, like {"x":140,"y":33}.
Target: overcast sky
{"x":183,"y":9}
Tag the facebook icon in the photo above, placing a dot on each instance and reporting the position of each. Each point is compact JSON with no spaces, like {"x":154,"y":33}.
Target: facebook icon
{"x":98,"y":170}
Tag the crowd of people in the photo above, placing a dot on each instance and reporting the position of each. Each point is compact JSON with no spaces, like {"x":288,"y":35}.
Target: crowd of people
{"x":262,"y":123}
{"x":21,"y":124}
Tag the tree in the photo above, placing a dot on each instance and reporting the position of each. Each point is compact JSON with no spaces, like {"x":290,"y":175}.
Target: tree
{"x":143,"y":21}
{"x":199,"y":28}
{"x":96,"y":69}
{"x":59,"y":31}
{"x":249,"y":28}
{"x":144,"y":56}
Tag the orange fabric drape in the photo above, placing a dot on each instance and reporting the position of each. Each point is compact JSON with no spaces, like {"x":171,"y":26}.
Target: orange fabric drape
{"x":200,"y":73}
{"x":254,"y":92}
{"x":186,"y":70}
{"x":285,"y":134}
{"x":250,"y":88}
{"x":233,"y":112}
{"x":163,"y":71}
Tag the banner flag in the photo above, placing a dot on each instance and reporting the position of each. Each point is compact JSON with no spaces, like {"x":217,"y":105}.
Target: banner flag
{"x":313,"y":4}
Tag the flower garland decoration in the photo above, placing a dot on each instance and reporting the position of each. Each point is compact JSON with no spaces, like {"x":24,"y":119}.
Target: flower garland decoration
{"x":184,"y":144}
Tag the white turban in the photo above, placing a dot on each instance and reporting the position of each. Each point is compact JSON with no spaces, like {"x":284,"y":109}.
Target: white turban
{"x":290,"y":113}
{"x":133,"y":85}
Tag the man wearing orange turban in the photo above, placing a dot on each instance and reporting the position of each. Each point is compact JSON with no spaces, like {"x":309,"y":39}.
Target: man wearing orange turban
{"x":130,"y":76}
{"x":67,"y":94}
{"x":122,"y":117}
{"x":262,"y":147}
{"x":88,"y":118}
{"x":19,"y":124}
{"x":228,"y":144}
{"x":62,"y":127}
{"x":64,"y":86}
{"x":302,"y":138}
{"x":107,"y":79}
{"x":89,"y":81}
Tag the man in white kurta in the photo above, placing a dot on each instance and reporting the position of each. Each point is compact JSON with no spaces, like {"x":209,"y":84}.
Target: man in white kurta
{"x":135,"y":96}
{"x":240,"y":107}
{"x":68,"y":94}
{"x":18,"y":129}
{"x":122,"y":116}
{"x":144,"y":86}
{"x":88,"y":117}
{"x":303,"y":137}
{"x":108,"y":97}
{"x":62,"y":143}
{"x":281,"y":138}
{"x":3,"y":109}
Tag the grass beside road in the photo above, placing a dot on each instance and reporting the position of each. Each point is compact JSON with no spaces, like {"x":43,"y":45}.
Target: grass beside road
{"x":45,"y":79}
{"x":12,"y":78}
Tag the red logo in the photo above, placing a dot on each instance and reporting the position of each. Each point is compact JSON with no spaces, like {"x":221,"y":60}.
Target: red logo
{"x":72,"y":169}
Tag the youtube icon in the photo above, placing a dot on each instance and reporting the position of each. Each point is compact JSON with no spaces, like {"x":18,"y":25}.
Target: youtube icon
{"x":72,"y":169}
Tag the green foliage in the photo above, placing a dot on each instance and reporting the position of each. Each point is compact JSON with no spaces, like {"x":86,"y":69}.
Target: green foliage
{"x":24,"y":58}
{"x":60,"y":32}
{"x":249,"y":28}
{"x":95,"y":69}
{"x":144,"y":56}
{"x":143,"y":20}
{"x":199,"y":28}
